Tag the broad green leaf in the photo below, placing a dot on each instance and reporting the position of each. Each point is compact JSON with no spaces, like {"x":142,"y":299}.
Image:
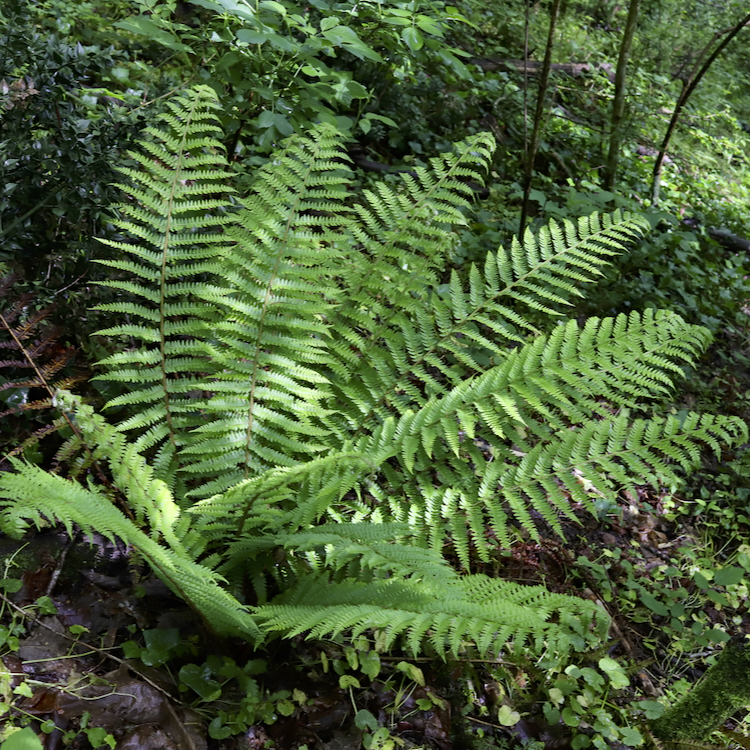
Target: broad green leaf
{"x":412,"y":671}
{"x":452,"y":61}
{"x":146,"y":27}
{"x":268,"y":119}
{"x":413,"y":38}
{"x":654,"y":605}
{"x":630,"y":736}
{"x":26,"y":739}
{"x":273,"y":5}
{"x":429,"y":26}
{"x":364,"y":720}
{"x":199,"y":680}
{"x":615,"y":672}
{"x":381,"y":118}
{"x":507,"y":716}
{"x":728,"y":576}
{"x":343,"y":36}
{"x":249,"y":36}
{"x":238,"y":9}
{"x":653,"y":709}
{"x":329,"y":23}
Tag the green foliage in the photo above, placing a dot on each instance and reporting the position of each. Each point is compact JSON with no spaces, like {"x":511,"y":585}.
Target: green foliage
{"x":58,"y":136}
{"x":281,"y":67}
{"x":576,"y":695}
{"x":287,"y":404}
{"x":675,"y":597}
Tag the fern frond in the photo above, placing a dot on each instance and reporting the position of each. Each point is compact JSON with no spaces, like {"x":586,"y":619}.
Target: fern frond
{"x":148,"y":497}
{"x":320,"y":412}
{"x":360,"y":546}
{"x":32,"y":494}
{"x":428,"y":351}
{"x":181,"y":180}
{"x":276,"y":288}
{"x":562,"y":379}
{"x":406,"y":238}
{"x":486,"y":612}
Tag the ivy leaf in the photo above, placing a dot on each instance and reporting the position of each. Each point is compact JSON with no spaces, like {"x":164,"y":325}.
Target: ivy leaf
{"x":507,"y":716}
{"x":160,"y":644}
{"x":631,"y":737}
{"x":369,"y":663}
{"x":412,"y":672}
{"x":652,"y":709}
{"x":347,"y":681}
{"x":364,"y":720}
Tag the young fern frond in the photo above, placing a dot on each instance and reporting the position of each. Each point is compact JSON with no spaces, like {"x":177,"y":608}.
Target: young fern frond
{"x":315,"y":404}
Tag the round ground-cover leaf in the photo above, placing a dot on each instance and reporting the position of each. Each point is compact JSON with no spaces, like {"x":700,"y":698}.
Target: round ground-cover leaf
{"x":26,"y":739}
{"x":508,"y":717}
{"x":160,"y":645}
{"x":653,"y":709}
{"x":615,"y":672}
{"x":630,"y":736}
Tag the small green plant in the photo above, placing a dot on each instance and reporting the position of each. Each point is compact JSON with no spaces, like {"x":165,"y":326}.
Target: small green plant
{"x":581,"y":695}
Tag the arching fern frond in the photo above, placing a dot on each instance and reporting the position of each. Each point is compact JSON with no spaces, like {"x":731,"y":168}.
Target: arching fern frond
{"x":565,"y":378}
{"x":428,"y":350}
{"x":475,"y":608}
{"x":352,"y":547}
{"x":32,"y":494}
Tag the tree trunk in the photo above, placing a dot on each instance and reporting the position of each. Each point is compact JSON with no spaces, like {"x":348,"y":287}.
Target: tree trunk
{"x":724,"y":689}
{"x":618,"y":105}
{"x":538,"y":116}
{"x":682,"y":100}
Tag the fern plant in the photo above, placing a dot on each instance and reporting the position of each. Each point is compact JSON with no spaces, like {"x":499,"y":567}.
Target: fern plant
{"x":318,"y":425}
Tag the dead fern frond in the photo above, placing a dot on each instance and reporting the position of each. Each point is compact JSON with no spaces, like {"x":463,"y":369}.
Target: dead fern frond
{"x":37,"y":354}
